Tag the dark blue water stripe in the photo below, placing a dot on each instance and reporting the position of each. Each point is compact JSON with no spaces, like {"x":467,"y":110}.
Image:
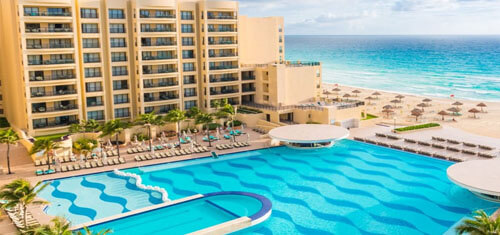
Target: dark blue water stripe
{"x":104,"y":196}
{"x":73,"y":209}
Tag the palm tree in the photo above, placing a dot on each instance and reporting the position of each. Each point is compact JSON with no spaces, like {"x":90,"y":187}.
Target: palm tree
{"x":205,"y":119}
{"x":230,"y":112}
{"x":84,"y":146}
{"x":47,"y":146}
{"x":89,"y":232}
{"x":149,"y":119}
{"x":8,"y":137}
{"x":114,"y":128}
{"x":193,"y":112}
{"x":481,"y":224}
{"x":20,"y":193}
{"x":176,"y":116}
{"x":216,"y":104}
{"x":91,"y":125}
{"x":61,"y":226}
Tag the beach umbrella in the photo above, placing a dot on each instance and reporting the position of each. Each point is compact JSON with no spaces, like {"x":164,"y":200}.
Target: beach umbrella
{"x":387,"y":112}
{"x":400,"y":97}
{"x":481,"y":105}
{"x":457,"y":103}
{"x":356,"y":92}
{"x":417,"y":113}
{"x":327,"y":93}
{"x":376,"y":94}
{"x":369,"y":98}
{"x":395,"y":102}
{"x":336,"y":89}
{"x":454,"y":110}
{"x":422,"y":105}
{"x":388,"y":107}
{"x":346,"y":95}
{"x":443,"y":113}
{"x":474,"y":111}
{"x":427,"y":101}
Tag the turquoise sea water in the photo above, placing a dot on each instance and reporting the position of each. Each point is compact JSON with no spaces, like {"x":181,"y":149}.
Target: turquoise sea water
{"x":351,"y":188}
{"x":465,"y":66}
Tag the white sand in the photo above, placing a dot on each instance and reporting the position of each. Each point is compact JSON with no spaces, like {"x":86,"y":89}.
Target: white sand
{"x":486,"y":124}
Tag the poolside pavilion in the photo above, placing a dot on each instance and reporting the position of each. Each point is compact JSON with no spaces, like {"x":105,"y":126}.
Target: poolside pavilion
{"x":479,"y":176}
{"x":309,"y":135}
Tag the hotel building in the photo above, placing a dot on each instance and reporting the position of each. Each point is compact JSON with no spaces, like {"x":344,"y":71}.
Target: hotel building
{"x":67,"y":60}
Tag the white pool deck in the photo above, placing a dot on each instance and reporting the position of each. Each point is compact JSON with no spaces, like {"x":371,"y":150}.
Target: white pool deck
{"x":308,"y":133}
{"x":482,"y":176}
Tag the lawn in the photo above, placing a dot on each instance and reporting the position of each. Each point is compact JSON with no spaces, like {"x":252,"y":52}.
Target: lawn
{"x":51,"y":137}
{"x":369,"y":116}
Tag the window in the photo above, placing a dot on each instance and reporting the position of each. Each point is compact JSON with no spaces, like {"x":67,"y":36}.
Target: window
{"x":121,"y":99}
{"x":94,"y":101}
{"x":116,"y":28}
{"x":186,"y":15}
{"x":91,"y":58}
{"x":281,"y":39}
{"x":119,"y":70}
{"x":120,"y":85}
{"x":93,"y":86}
{"x":33,"y":43}
{"x":163,"y":14}
{"x":95,"y":115}
{"x":121,"y":113}
{"x":187,"y":54}
{"x":189,"y":92}
{"x":88,"y":13}
{"x":34,"y":59}
{"x":189,"y":104}
{"x":90,"y":43}
{"x":281,"y":49}
{"x":144,"y":13}
{"x":92,"y":72}
{"x":117,"y":42}
{"x":280,"y":29}
{"x":188,"y":67}
{"x":116,"y":14}
{"x":187,"y":28}
{"x":189,"y":79}
{"x":118,"y":56}
{"x":90,"y":28}
{"x":187,"y":41}
{"x":31,"y":11}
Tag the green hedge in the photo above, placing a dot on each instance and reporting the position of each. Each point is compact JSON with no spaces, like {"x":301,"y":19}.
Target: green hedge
{"x":311,"y":122}
{"x":54,"y":137}
{"x":211,"y":126}
{"x":4,"y":123}
{"x":369,"y":116}
{"x":235,"y":123}
{"x":417,"y":127}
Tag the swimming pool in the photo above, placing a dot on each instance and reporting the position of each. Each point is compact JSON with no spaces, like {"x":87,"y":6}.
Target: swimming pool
{"x":350,"y":188}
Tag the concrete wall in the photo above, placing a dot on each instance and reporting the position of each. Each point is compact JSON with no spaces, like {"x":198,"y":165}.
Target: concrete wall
{"x":259,"y":40}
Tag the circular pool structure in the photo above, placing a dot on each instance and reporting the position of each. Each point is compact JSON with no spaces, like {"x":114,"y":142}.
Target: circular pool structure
{"x":309,"y":135}
{"x":479,"y":176}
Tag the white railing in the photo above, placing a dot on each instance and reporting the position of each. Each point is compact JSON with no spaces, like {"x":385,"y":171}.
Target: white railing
{"x":138,"y":183}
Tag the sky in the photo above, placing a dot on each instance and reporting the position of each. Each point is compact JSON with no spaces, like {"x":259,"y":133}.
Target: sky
{"x":380,"y":17}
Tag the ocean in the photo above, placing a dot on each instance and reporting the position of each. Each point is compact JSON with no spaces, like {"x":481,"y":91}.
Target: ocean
{"x":467,"y":67}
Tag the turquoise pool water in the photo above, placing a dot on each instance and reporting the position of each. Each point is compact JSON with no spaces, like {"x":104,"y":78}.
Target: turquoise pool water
{"x":351,"y":188}
{"x":186,"y":217}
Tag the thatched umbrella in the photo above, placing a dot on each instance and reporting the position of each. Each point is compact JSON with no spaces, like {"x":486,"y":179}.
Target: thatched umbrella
{"x":400,"y":97}
{"x":388,"y":107}
{"x":376,"y":94}
{"x":336,"y":91}
{"x":422,"y":105}
{"x":369,"y":98}
{"x":327,"y":93}
{"x":454,"y":110}
{"x":356,"y":92}
{"x":427,"y":101}
{"x":474,"y":111}
{"x":395,"y":102}
{"x":482,"y":105}
{"x":443,"y":113}
{"x":387,"y":112}
{"x":417,"y":113}
{"x":457,"y":103}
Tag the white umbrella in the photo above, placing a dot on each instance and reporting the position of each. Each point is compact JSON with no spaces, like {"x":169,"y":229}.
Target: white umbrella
{"x":104,"y":157}
{"x":189,"y":131}
{"x":109,"y":143}
{"x":218,"y":133}
{"x":192,"y":145}
{"x":81,"y":157}
{"x":248,"y":137}
{"x":184,"y":134}
{"x":242,"y":127}
{"x":163,"y":134}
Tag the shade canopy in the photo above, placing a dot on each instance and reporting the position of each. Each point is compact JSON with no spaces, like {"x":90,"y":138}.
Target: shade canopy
{"x":426,"y":100}
{"x":376,"y":93}
{"x":457,"y":103}
{"x":336,"y":89}
{"x":356,"y":91}
{"x":309,"y":133}
{"x":482,"y":105}
{"x":388,"y":107}
{"x":480,"y":176}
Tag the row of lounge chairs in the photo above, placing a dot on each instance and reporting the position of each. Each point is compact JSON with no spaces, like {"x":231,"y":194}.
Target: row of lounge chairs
{"x":86,"y":165}
{"x":16,"y":217}
{"x":171,"y":153}
{"x":465,"y":144}
{"x":230,"y":146}
{"x":67,"y":159}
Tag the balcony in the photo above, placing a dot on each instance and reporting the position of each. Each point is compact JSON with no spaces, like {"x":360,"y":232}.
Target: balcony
{"x":157,"y":30}
{"x":158,"y":44}
{"x":248,"y":89}
{"x":190,"y":95}
{"x":49,"y":46}
{"x":248,"y":77}
{"x":161,"y":98}
{"x":222,"y":55}
{"x":168,"y":16}
{"x":159,"y":57}
{"x":158,"y":71}
{"x":52,"y":77}
{"x":94,"y":104}
{"x":221,"y":17}
{"x":160,"y":84}
{"x":51,"y":62}
{"x":49,"y":30}
{"x":222,"y":67}
{"x":51,"y":93}
{"x":55,"y":124}
{"x":55,"y":109}
{"x":223,"y":79}
{"x":47,"y":13}
{"x":223,"y":92}
{"x":222,"y":30}
{"x":222,"y":42}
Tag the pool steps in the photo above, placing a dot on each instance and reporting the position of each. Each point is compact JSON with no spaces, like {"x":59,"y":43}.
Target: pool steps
{"x":138,"y":183}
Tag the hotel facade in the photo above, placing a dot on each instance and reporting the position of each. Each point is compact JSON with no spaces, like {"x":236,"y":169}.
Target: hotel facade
{"x":67,"y":60}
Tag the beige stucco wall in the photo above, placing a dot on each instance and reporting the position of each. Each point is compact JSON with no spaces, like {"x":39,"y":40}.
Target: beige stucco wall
{"x":259,"y":40}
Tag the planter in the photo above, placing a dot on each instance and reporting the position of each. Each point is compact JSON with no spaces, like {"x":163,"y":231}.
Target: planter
{"x":417,"y":130}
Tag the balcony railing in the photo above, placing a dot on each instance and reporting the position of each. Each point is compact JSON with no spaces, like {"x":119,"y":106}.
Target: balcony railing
{"x":224,"y":79}
{"x":50,"y":93}
{"x":221,"y":92}
{"x":159,"y":57}
{"x":221,"y":30}
{"x":49,"y":62}
{"x":161,"y":98}
{"x":55,"y":109}
{"x":94,"y":104}
{"x":52,"y":78}
{"x":54,"y":124}
{"x":117,"y":88}
{"x":221,"y":67}
{"x":248,"y":77}
{"x":160,"y":84}
{"x":221,"y":42}
{"x":49,"y":30}
{"x":222,"y":55}
{"x":49,"y":46}
{"x":47,"y":13}
{"x":155,"y":30}
{"x":158,"y":71}
{"x":190,"y":94}
{"x":158,"y":16}
{"x":248,"y":89}
{"x":221,"y":17}
{"x":158,"y":44}
{"x":189,"y":81}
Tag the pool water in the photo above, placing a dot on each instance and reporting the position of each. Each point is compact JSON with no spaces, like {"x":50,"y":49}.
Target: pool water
{"x":350,"y":188}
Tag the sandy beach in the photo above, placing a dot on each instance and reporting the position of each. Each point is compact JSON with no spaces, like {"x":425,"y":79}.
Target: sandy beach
{"x":486,"y":123}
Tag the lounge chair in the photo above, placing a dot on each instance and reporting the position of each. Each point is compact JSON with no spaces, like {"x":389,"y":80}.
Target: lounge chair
{"x":66,"y":159}
{"x":227,"y":137}
{"x":423,"y":143}
{"x":116,"y":161}
{"x":115,"y":153}
{"x":453,"y":149}
{"x":93,"y":164}
{"x":39,"y":172}
{"x":87,"y":165}
{"x":380,"y":135}
{"x":110,"y":162}
{"x":196,"y":150}
{"x":469,"y":144}
{"x":148,"y":156}
{"x":43,"y":162}
{"x":37,"y":163}
{"x":204,"y":148}
{"x":143,"y":158}
{"x":76,"y":167}
{"x":182,"y":152}
{"x":486,"y":155}
{"x":177,"y":153}
{"x":410,"y":141}
{"x":70,"y":167}
{"x":188,"y":151}
{"x":157,"y":155}
{"x":137,"y":158}
{"x":99,"y":163}
{"x":485,"y":147}
{"x":468,"y":152}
